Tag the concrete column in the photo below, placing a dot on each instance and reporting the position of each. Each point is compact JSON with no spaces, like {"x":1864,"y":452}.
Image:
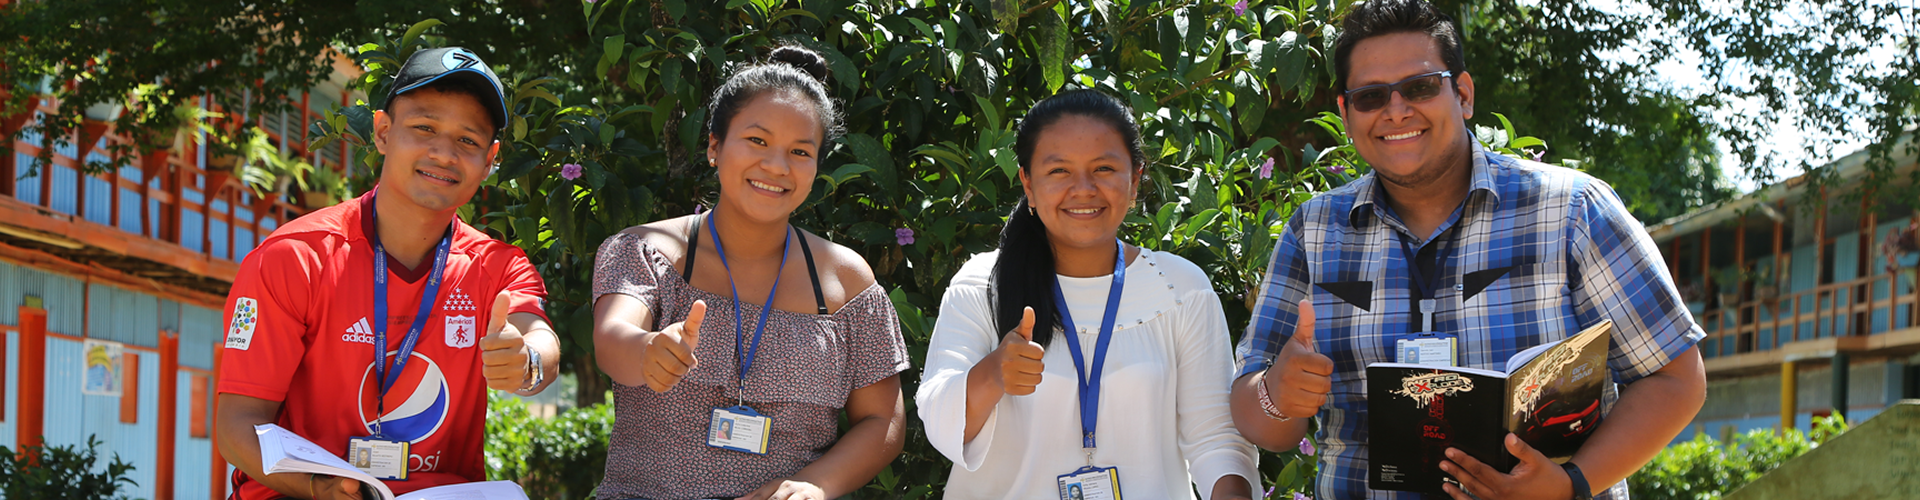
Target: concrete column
{"x":1896,"y":384}
{"x":1840,"y":371}
{"x":1789,"y":395}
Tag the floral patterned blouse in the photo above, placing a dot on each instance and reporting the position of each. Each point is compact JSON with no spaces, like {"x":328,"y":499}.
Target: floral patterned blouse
{"x":806,"y":366}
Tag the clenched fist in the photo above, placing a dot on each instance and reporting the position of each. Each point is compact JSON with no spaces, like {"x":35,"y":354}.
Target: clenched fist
{"x":670,"y":351}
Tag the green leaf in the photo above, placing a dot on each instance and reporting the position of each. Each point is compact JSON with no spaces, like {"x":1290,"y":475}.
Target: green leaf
{"x":614,"y":46}
{"x":413,"y":33}
{"x":868,"y":151}
{"x":1052,"y":38}
{"x":1006,"y":15}
{"x":1289,"y":57}
{"x":990,"y":110}
{"x":843,"y":174}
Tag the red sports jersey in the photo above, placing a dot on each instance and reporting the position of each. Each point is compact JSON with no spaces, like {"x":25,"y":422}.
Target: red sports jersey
{"x":300,"y":331}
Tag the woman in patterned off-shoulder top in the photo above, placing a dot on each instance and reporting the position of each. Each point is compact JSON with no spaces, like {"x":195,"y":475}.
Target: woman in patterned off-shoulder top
{"x":735,"y":341}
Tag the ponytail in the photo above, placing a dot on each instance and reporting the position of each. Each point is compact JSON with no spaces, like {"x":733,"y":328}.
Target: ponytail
{"x":1023,"y":275}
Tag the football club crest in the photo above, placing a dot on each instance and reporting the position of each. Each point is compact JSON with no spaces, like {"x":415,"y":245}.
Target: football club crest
{"x":461,"y":332}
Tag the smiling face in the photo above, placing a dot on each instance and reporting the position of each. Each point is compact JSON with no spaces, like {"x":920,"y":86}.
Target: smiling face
{"x":1410,"y":144}
{"x":439,"y":147}
{"x":1081,"y":182}
{"x":769,"y":157}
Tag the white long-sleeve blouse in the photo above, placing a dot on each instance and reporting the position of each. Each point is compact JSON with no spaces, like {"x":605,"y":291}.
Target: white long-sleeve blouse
{"x":1164,"y":415}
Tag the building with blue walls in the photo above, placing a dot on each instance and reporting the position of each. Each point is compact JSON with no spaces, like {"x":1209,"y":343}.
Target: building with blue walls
{"x":1803,"y":318}
{"x":112,"y":282}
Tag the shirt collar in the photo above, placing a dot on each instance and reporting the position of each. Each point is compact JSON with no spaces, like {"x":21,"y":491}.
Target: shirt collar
{"x":1368,"y":190}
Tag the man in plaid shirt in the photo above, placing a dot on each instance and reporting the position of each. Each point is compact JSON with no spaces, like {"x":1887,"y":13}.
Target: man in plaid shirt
{"x":1499,"y":253}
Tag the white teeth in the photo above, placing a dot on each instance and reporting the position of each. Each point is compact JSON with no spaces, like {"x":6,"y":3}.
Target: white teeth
{"x":769,"y":187}
{"x":438,"y":177}
{"x":1084,"y":211}
{"x":1408,"y":135}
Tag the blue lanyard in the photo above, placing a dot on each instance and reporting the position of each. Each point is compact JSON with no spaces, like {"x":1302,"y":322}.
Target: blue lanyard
{"x":1090,"y":382}
{"x":745,"y":362}
{"x":1424,"y":278}
{"x":382,"y":374}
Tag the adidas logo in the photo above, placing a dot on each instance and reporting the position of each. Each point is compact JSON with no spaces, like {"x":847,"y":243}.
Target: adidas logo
{"x":359,"y":332}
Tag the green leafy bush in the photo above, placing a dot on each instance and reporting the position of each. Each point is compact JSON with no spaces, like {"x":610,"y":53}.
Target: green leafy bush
{"x":62,"y":473}
{"x":559,"y":457}
{"x":1706,"y":469}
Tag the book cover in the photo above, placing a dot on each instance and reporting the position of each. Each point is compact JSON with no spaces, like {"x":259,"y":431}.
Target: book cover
{"x":1550,"y":397}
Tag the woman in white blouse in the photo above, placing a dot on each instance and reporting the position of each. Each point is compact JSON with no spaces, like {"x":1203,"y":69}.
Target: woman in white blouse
{"x":1003,"y":390}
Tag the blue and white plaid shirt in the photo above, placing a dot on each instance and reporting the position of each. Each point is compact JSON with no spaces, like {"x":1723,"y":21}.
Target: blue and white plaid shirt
{"x":1541,"y":252}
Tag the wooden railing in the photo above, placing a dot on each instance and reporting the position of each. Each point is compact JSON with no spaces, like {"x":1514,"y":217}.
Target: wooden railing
{"x":1841,"y":309}
{"x":206,"y":212}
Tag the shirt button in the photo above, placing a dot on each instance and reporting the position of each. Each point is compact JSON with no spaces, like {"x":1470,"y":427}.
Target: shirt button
{"x":1459,"y":287}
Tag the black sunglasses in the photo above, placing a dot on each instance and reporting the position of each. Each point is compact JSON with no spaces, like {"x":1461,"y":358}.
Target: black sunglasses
{"x":1416,"y":88}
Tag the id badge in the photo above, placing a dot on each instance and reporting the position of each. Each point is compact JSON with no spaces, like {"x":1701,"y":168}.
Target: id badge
{"x":384,"y":459}
{"x":1428,"y":349}
{"x":739,"y":429}
{"x":1091,"y":483}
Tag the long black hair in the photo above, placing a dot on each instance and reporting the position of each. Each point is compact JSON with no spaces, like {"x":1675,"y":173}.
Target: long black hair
{"x":1023,"y":274}
{"x":789,"y":68}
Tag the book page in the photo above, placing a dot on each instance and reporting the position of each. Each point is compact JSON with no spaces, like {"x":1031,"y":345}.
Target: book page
{"x":490,"y":490}
{"x":283,"y":451}
{"x":1554,"y":400}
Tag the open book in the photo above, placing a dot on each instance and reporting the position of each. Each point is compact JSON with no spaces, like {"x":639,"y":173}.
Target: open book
{"x":283,"y":451}
{"x":1550,"y":395}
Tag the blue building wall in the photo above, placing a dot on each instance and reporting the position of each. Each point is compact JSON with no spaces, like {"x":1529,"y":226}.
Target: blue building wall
{"x":134,"y":319}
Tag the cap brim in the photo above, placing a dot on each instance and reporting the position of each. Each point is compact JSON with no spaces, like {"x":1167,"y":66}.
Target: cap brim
{"x":497,"y":110}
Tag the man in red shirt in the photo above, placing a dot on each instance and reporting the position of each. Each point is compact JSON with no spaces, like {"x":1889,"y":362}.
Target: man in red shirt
{"x":393,"y":267}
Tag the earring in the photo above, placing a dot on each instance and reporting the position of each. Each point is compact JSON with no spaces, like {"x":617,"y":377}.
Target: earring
{"x":1031,"y":212}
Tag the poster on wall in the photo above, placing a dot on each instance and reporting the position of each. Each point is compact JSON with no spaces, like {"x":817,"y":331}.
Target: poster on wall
{"x":100,"y":376}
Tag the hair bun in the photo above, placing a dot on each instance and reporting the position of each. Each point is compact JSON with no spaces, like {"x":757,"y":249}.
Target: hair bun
{"x":802,"y":58}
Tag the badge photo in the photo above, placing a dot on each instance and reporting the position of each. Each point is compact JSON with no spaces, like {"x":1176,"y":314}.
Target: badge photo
{"x":739,"y":429}
{"x":384,"y":459}
{"x":1091,"y":483}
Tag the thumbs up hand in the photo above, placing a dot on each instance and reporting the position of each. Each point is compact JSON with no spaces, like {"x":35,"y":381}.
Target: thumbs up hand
{"x":503,"y":352}
{"x":670,"y":351}
{"x":1019,"y":358}
{"x":1300,"y":378}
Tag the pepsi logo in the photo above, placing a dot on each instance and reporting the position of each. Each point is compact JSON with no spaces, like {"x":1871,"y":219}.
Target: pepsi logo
{"x":416,"y":405}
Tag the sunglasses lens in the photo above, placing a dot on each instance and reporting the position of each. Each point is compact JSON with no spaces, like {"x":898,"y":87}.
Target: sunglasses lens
{"x":1370,"y":99}
{"x":1421,"y":89}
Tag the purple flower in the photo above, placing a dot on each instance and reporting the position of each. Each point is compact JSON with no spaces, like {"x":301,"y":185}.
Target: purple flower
{"x":1269,"y":492}
{"x":1306,"y":446}
{"x":699,"y":208}
{"x":1240,"y":9}
{"x":571,"y":171}
{"x":903,"y":236}
{"x":1540,"y":155}
{"x":1301,"y":496}
{"x":1266,"y":169}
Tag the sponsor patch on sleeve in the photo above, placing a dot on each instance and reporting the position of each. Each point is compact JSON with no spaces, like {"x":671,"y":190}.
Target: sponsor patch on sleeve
{"x":246,"y":314}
